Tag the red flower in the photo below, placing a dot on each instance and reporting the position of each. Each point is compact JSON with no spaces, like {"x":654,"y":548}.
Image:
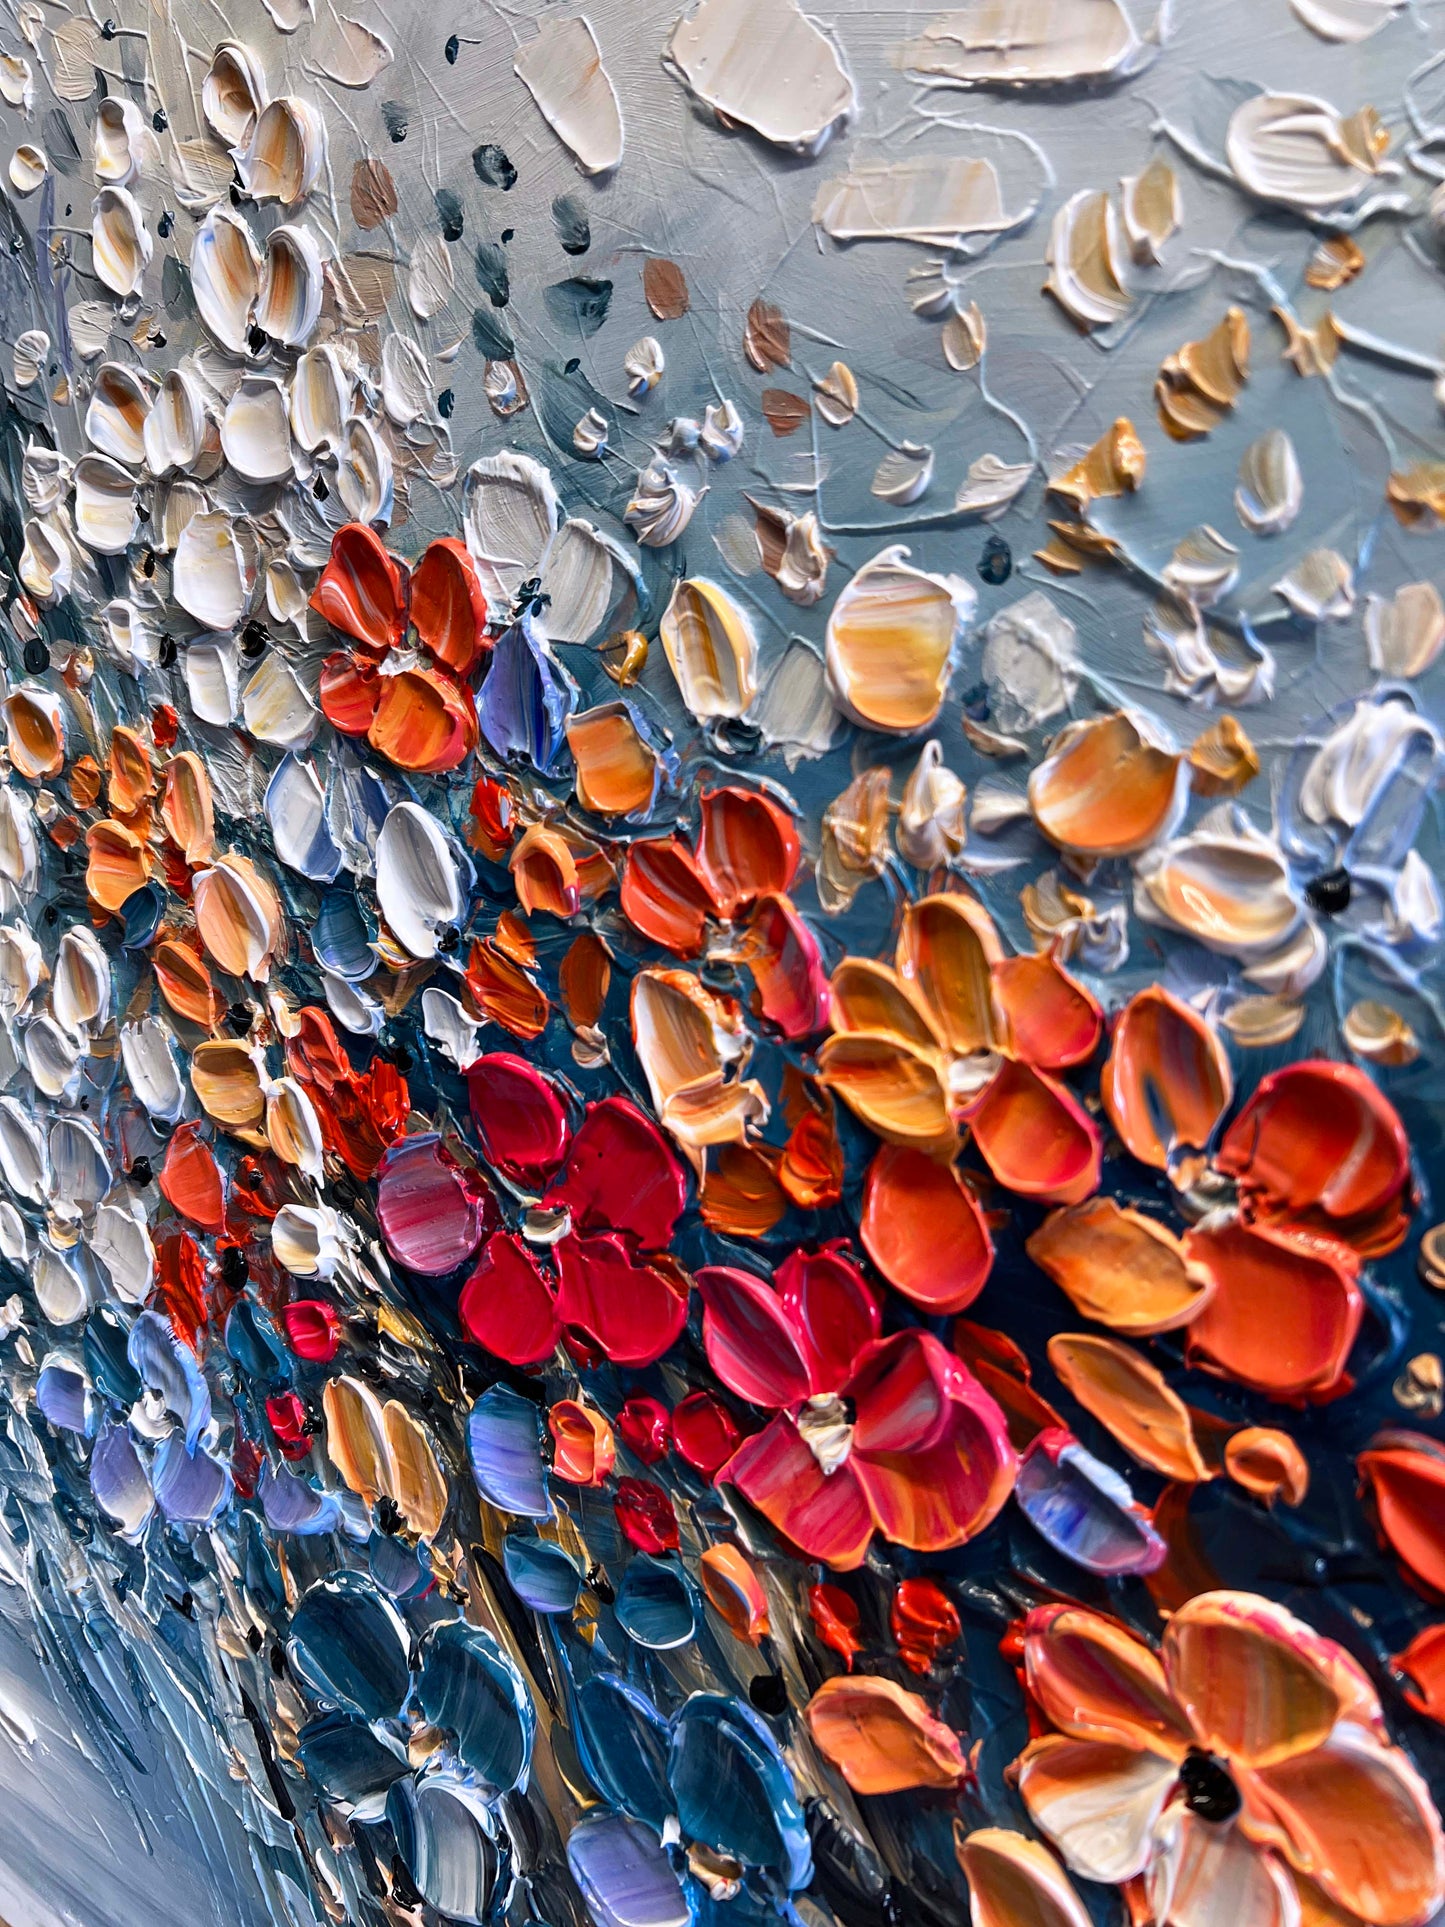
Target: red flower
{"x":608,"y":1282}
{"x":887,"y":1434}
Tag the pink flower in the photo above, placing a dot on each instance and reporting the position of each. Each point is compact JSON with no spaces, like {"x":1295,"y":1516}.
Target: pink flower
{"x":893,"y":1435}
{"x":1243,"y":1775}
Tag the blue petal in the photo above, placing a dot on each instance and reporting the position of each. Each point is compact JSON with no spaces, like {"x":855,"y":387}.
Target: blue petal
{"x":348,"y":1645}
{"x":625,"y":1877}
{"x":504,"y":1443}
{"x":469,"y":1687}
{"x":655,"y":1604}
{"x":541,"y":1573}
{"x":1085,"y":1510}
{"x":622,"y":1741}
{"x":526,"y":699}
{"x":733,"y":1788}
{"x":448,"y":1841}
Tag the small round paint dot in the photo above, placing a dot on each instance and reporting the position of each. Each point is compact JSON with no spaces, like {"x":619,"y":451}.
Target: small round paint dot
{"x":507,"y":233}
{"x":108,"y":30}
{"x":234,"y":1270}
{"x":167,"y":651}
{"x":141,"y":1172}
{"x":446,"y":402}
{"x":769,"y":1693}
{"x":1330,"y":893}
{"x":454,"y":47}
{"x":255,"y":339}
{"x":571,"y":366}
{"x":995,"y":565}
{"x":159,"y":120}
{"x":37,"y":656}
{"x":166,"y":224}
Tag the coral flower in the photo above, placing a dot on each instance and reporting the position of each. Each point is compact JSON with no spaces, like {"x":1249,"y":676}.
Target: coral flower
{"x":955,"y":1032}
{"x":411,"y":704}
{"x":893,"y":1435}
{"x":1242,"y":1776}
{"x":737,"y":872}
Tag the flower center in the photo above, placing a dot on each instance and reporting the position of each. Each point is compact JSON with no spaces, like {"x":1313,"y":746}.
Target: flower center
{"x":1209,"y":1789}
{"x":826,"y":1431}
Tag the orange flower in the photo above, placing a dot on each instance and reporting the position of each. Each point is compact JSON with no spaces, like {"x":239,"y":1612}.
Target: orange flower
{"x":1242,"y":1775}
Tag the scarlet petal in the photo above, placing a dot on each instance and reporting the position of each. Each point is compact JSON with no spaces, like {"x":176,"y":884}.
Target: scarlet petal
{"x":835,"y":1620}
{"x":827,"y":1517}
{"x":831,"y":1308}
{"x":1423,"y":1664}
{"x":362,"y":591}
{"x":787,"y":966}
{"x":1319,"y":1142}
{"x":312,"y":1329}
{"x":632,"y":1310}
{"x":705,"y":1433}
{"x":923,"y":1621}
{"x":747,"y":847}
{"x":663,"y":895}
{"x":922,"y":1227}
{"x":350,"y":693}
{"x":1284,"y":1311}
{"x":621,"y":1176}
{"x":190,"y":1180}
{"x":1052,"y":1020}
{"x":506,"y":1304}
{"x":646,"y":1517}
{"x":519,"y":1116}
{"x":1404,"y":1476}
{"x":750,"y":1342}
{"x":448,"y":607}
{"x":1036,"y":1137}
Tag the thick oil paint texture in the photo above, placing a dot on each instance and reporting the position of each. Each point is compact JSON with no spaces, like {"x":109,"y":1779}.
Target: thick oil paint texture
{"x":720,"y":1002}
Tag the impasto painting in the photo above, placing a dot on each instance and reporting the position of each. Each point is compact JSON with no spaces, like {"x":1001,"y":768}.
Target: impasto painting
{"x":721,"y":1016}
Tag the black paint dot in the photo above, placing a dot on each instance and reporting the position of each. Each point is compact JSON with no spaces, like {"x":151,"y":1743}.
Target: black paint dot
{"x":167,"y":651}
{"x":446,"y":402}
{"x":995,"y":565}
{"x":37,"y":656}
{"x":234,"y":1271}
{"x":108,"y":30}
{"x":255,"y":339}
{"x":141,"y":1172}
{"x":1209,"y":1790}
{"x":493,"y":167}
{"x":159,"y":121}
{"x":397,"y":118}
{"x":1330,"y":893}
{"x":449,"y":213}
{"x":453,"y":48}
{"x":769,"y":1693}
